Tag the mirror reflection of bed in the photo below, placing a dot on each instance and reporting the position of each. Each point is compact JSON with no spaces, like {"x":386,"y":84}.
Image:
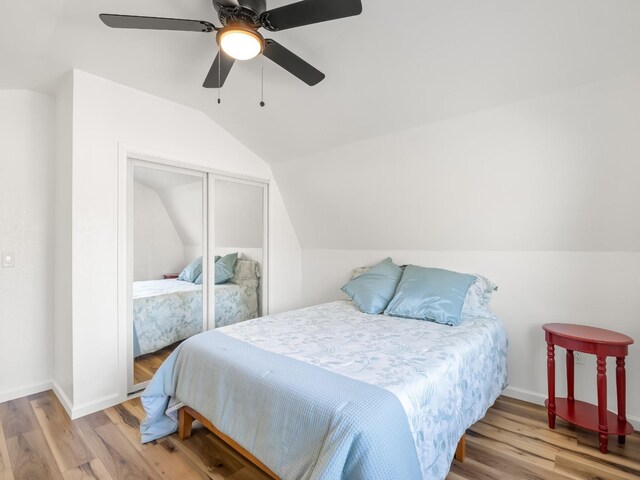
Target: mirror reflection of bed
{"x":169,"y":292}
{"x":170,"y":310}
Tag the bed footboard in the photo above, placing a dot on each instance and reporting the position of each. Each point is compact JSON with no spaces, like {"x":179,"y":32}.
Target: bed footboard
{"x":186,"y":416}
{"x":461,"y":449}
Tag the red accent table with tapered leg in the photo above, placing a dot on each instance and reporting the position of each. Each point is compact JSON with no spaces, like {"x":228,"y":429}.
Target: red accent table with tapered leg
{"x":601,"y":343}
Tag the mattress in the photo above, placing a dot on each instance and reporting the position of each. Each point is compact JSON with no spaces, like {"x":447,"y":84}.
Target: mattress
{"x":445,"y":377}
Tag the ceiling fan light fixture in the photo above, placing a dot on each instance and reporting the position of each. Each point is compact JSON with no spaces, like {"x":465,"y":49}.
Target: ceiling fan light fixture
{"x":240,"y":43}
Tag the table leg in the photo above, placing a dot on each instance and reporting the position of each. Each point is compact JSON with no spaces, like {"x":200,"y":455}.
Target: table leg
{"x":551,"y":384}
{"x":570,"y":375}
{"x":602,"y":402}
{"x":621,"y":387}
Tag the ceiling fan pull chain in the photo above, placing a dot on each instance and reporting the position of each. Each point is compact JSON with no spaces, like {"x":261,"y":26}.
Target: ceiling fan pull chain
{"x":219,"y":86}
{"x":262,"y":104}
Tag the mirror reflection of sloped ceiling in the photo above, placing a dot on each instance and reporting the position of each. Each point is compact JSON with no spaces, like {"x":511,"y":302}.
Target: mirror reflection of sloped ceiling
{"x":167,"y":221}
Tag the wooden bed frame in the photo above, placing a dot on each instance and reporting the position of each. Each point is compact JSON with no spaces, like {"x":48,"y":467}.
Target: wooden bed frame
{"x":186,"y":416}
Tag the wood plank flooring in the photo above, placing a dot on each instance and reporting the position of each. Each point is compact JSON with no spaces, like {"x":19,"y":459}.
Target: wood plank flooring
{"x":145,"y":366}
{"x":39,"y":442}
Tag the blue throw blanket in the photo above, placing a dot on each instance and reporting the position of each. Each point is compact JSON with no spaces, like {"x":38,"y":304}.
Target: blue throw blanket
{"x":301,"y":421}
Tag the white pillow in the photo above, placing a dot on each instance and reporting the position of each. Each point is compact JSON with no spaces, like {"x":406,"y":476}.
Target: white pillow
{"x":479,"y":295}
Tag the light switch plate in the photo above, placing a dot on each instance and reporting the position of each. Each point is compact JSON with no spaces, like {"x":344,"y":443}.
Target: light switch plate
{"x":8,"y":260}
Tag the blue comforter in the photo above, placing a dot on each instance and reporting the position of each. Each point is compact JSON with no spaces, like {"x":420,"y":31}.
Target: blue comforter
{"x":300,"y":420}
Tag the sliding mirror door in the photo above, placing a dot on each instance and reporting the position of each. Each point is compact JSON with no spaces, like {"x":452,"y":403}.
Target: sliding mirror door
{"x":240,"y":250}
{"x":168,"y":264}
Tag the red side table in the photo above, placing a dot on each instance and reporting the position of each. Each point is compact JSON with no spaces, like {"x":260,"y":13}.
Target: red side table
{"x":602,"y":343}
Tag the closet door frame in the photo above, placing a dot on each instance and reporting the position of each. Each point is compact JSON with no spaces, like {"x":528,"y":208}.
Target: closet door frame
{"x":128,"y":154}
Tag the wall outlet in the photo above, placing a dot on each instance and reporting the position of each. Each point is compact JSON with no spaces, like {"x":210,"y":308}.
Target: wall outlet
{"x":578,"y":358}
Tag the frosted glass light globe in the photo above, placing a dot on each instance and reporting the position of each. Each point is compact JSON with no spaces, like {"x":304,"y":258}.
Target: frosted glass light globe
{"x":240,"y":44}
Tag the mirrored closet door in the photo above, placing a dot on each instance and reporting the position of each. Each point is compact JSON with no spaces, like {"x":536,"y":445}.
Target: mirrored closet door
{"x":168,"y":235}
{"x":239,"y":246}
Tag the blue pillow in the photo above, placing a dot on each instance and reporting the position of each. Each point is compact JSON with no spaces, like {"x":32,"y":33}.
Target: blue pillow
{"x":372,"y":290}
{"x":430,"y":294}
{"x":225,"y":268}
{"x":191,"y":271}
{"x":198,"y":281}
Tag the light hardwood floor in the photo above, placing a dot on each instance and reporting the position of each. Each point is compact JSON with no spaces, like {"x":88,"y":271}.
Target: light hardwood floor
{"x":39,"y":442}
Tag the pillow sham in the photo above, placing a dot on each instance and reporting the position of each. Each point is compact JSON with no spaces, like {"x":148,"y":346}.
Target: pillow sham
{"x":372,"y":290}
{"x":191,"y":271}
{"x":225,"y":268}
{"x":247,"y":273}
{"x":479,"y":295}
{"x":430,"y":294}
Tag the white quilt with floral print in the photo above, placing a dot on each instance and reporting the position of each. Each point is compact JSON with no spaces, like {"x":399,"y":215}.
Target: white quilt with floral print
{"x":445,"y":377}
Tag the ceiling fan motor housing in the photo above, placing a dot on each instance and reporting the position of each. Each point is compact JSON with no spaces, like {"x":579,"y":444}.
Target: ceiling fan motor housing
{"x":248,"y":13}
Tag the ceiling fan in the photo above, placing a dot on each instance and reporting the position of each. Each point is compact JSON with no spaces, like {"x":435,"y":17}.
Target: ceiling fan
{"x":239,"y":39}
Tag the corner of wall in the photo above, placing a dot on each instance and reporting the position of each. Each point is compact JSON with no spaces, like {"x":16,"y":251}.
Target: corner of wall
{"x":62,"y":318}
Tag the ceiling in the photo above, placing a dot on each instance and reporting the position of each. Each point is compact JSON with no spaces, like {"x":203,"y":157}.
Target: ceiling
{"x":396,"y":66}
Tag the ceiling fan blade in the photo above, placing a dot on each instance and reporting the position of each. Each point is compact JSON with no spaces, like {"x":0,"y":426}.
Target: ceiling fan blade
{"x":156,"y":23}
{"x":307,"y":12}
{"x":219,"y":71}
{"x":292,"y":63}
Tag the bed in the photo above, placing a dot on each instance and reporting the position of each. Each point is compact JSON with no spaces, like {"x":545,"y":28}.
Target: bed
{"x":329,"y":392}
{"x":168,"y":311}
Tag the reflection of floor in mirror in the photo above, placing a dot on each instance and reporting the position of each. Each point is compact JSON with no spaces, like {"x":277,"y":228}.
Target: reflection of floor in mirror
{"x":145,"y":366}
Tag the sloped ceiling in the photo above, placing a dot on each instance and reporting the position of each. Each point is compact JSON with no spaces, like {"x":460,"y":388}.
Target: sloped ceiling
{"x":181,"y":196}
{"x":398,"y":65}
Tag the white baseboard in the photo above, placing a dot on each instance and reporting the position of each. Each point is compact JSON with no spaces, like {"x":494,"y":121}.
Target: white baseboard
{"x":72,"y":410}
{"x":539,"y":398}
{"x":524,"y":395}
{"x":96,"y":406}
{"x":62,"y":397}
{"x":24,"y":391}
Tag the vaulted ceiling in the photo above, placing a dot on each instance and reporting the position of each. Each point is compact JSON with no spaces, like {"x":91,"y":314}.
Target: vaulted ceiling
{"x":398,"y":65}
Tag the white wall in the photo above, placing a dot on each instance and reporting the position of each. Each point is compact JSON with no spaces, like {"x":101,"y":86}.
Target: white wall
{"x":107,"y":115}
{"x":157,"y":247}
{"x":26,"y":230}
{"x":539,"y":195}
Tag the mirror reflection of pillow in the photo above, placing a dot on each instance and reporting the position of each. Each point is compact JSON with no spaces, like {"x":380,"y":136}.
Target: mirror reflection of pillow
{"x":247,"y":273}
{"x":225,"y":268}
{"x":192,"y":271}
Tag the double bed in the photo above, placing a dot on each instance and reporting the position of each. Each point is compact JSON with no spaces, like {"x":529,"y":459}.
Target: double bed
{"x":330,"y":392}
{"x":168,"y":311}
